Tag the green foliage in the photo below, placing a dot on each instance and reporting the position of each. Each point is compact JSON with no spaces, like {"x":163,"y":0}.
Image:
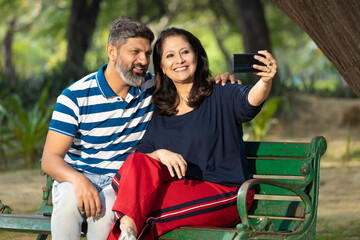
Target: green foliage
{"x":40,"y":44}
{"x":41,"y":27}
{"x":26,"y":128}
{"x":261,"y":124}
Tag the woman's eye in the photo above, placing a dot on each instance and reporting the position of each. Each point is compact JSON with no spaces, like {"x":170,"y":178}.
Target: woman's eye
{"x":185,"y":52}
{"x":169,"y":55}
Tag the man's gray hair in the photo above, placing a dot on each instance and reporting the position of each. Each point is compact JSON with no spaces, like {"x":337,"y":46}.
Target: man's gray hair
{"x":125,"y":27}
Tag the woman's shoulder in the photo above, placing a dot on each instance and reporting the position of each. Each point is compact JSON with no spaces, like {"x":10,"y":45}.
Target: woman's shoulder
{"x":230,"y":88}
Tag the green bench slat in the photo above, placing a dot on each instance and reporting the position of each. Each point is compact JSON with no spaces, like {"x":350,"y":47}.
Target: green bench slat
{"x":198,"y":233}
{"x":25,"y":223}
{"x":277,"y":208}
{"x":285,"y":225}
{"x":272,"y":190}
{"x":276,"y":166}
{"x":276,"y":149}
{"x":265,"y":189}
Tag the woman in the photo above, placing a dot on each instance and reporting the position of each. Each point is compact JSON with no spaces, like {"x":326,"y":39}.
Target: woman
{"x":191,"y":161}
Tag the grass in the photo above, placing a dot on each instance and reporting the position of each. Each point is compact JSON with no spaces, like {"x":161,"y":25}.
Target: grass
{"x":327,"y":230}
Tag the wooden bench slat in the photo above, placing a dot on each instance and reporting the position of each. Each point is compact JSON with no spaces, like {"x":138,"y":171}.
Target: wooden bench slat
{"x":276,"y":197}
{"x":280,"y":177}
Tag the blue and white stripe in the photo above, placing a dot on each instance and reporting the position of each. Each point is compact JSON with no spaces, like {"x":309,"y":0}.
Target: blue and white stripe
{"x":105,"y":128}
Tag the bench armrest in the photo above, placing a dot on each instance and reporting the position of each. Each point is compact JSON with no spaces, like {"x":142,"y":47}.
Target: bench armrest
{"x":265,"y":223}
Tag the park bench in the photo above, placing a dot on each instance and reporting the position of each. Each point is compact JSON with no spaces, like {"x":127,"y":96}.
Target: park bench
{"x":286,"y":183}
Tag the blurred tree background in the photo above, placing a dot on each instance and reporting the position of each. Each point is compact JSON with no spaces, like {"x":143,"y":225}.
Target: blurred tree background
{"x":46,"y":45}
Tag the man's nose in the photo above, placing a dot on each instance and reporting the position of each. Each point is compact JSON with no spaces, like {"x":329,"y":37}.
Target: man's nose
{"x":144,"y":59}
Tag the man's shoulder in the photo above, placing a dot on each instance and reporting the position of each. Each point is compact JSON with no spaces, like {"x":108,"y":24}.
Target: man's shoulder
{"x":149,"y":82}
{"x":83,"y":83}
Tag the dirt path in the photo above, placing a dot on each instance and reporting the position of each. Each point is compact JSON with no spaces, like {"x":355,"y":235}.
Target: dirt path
{"x":21,"y":190}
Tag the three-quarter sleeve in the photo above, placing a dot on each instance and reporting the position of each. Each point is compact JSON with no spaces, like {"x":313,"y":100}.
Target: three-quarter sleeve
{"x":243,"y":110}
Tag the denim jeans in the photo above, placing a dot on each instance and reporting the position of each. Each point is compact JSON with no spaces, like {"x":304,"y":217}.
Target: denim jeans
{"x":67,"y":219}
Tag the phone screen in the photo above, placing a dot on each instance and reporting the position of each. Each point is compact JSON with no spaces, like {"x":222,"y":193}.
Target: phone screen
{"x":243,"y":62}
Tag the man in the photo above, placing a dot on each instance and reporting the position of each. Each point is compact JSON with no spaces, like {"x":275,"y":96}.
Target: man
{"x":96,"y":124}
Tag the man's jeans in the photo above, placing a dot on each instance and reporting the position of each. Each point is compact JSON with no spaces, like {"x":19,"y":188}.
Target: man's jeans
{"x":67,"y":219}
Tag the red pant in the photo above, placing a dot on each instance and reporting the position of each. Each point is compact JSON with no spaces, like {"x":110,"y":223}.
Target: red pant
{"x":159,"y":203}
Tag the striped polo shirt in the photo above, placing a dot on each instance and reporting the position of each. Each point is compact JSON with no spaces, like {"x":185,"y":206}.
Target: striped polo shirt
{"x":105,"y":128}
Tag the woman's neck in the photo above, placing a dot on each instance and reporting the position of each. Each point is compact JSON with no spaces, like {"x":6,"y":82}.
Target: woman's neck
{"x":183,"y":91}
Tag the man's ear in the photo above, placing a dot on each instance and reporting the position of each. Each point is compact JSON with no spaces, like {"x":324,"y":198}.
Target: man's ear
{"x":111,"y":52}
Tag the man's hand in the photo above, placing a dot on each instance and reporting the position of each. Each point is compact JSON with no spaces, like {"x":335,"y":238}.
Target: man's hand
{"x":225,"y":77}
{"x":88,"y":197}
{"x":53,"y":163}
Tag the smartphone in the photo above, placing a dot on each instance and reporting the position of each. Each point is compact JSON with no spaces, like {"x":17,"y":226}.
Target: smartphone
{"x":243,"y":62}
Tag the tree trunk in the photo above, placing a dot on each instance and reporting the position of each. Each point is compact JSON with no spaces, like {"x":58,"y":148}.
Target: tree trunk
{"x":334,"y":27}
{"x":81,"y":27}
{"x":220,"y":42}
{"x":254,"y":30}
{"x":7,"y":51}
{"x":253,"y":25}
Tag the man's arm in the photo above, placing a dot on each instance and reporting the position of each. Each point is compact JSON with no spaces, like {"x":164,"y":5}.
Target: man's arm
{"x":53,"y":163}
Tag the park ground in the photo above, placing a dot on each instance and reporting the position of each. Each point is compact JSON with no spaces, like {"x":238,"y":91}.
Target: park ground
{"x":339,"y":198}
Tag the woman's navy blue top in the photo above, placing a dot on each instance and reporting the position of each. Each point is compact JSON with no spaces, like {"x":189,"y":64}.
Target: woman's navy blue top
{"x":209,"y":138}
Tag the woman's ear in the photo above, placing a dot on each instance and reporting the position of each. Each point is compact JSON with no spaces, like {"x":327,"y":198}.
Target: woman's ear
{"x":161,"y":66}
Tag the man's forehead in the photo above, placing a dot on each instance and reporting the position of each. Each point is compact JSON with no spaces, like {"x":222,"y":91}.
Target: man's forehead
{"x":137,"y":42}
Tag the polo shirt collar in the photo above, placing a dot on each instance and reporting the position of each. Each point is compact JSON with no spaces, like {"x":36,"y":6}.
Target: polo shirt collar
{"x":105,"y":89}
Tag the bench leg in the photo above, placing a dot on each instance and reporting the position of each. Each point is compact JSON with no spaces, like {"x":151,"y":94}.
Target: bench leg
{"x":42,"y":237}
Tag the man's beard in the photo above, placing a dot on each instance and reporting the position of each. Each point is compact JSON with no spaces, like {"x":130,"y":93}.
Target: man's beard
{"x":127,"y":75}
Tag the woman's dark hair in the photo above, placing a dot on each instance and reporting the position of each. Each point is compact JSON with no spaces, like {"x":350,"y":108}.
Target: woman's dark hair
{"x":165,"y":95}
